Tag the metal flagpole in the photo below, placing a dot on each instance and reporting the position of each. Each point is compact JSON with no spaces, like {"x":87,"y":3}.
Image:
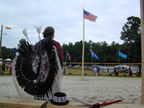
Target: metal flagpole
{"x":66,"y":56}
{"x":142,"y":46}
{"x":91,"y":51}
{"x":118,"y":57}
{"x":1,"y":40}
{"x":83,"y":46}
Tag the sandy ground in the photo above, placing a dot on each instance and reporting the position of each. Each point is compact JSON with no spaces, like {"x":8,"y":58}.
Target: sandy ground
{"x":92,"y":89}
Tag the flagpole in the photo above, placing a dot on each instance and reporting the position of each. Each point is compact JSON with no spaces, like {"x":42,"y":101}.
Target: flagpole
{"x":83,"y":46}
{"x":142,"y":46}
{"x":1,"y":40}
{"x":118,"y":57}
{"x":66,"y":56}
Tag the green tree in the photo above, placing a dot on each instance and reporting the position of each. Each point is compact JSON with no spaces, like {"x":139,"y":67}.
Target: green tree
{"x":131,"y":35}
{"x":7,"y":53}
{"x":20,"y":42}
{"x":77,"y":52}
{"x":106,"y":53}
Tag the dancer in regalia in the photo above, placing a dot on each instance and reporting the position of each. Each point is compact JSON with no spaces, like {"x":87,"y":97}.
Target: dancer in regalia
{"x":38,"y":68}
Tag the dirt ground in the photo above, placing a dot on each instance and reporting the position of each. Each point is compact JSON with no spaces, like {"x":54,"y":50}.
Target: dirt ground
{"x":92,"y":89}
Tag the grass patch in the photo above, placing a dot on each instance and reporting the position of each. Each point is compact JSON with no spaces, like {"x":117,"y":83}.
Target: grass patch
{"x":78,"y":72}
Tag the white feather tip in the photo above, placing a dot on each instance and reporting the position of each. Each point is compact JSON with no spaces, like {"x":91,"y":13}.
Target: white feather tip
{"x":38,"y":29}
{"x":25,"y":32}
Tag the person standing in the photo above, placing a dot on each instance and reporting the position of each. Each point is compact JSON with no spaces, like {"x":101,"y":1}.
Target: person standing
{"x":49,"y":33}
{"x":41,"y":47}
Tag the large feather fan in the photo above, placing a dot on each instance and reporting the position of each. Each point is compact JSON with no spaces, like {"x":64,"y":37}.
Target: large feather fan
{"x":36,"y":68}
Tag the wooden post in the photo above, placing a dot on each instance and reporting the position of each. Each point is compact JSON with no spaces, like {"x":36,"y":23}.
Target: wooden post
{"x":83,"y":46}
{"x":142,"y":47}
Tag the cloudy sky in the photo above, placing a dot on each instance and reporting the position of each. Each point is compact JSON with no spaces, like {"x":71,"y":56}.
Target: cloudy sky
{"x":67,"y":18}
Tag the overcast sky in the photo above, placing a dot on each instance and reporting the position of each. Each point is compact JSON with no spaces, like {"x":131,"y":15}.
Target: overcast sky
{"x":67,"y":18}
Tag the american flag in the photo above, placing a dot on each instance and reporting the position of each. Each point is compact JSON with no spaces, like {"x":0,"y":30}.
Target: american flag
{"x":89,"y":16}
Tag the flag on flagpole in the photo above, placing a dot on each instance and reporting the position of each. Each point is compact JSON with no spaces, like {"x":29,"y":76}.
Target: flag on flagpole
{"x":69,"y":56}
{"x":8,"y":27}
{"x":89,"y":16}
{"x":15,"y":52}
{"x":94,"y":55}
{"x":122,"y":55}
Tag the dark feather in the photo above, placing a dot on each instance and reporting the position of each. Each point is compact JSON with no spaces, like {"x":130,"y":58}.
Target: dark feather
{"x":25,"y":75}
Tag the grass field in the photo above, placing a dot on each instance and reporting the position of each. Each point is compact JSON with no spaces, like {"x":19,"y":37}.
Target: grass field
{"x":78,"y":72}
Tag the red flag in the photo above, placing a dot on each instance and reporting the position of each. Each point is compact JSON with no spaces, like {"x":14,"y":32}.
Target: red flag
{"x":69,"y":56}
{"x":89,"y":16}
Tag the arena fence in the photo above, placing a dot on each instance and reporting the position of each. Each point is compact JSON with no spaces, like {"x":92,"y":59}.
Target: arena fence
{"x":111,"y":69}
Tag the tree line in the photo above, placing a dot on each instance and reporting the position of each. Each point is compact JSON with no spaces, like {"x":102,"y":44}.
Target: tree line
{"x":107,"y":53}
